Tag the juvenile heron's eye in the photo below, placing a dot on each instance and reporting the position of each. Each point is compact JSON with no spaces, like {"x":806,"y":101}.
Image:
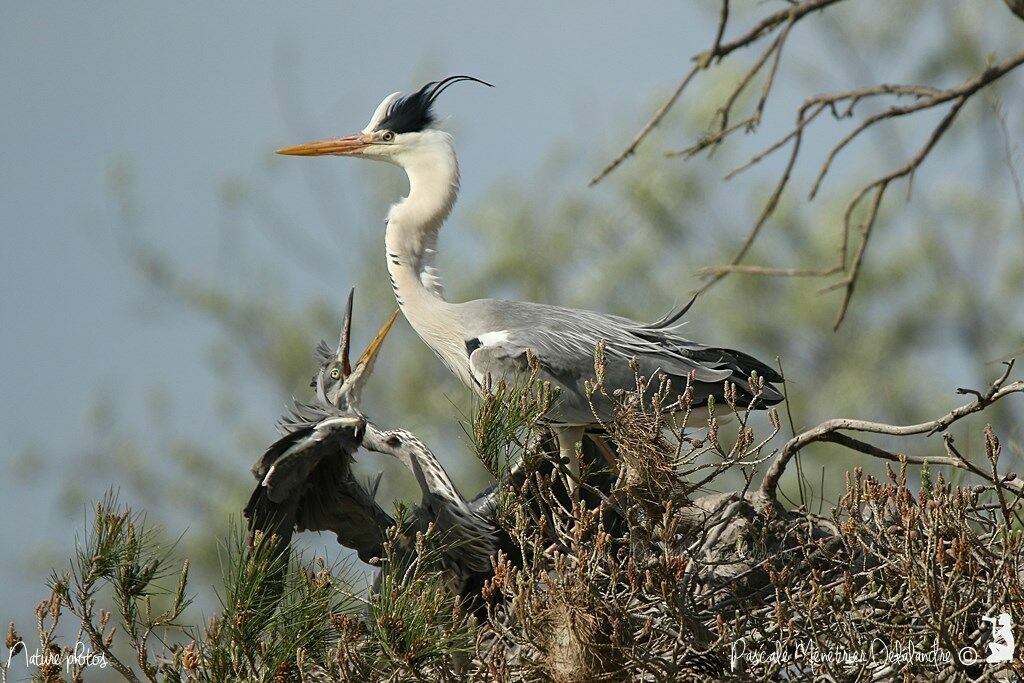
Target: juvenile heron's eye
{"x":387,"y":136}
{"x":335,"y":373}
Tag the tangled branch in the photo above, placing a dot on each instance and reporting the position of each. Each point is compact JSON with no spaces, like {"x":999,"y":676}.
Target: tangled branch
{"x":831,"y":431}
{"x":863,"y":208}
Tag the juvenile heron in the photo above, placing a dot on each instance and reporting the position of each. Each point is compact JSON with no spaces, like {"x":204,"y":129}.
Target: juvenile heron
{"x":469,"y":535}
{"x":305,"y":477}
{"x":492,"y":337}
{"x":306,"y":480}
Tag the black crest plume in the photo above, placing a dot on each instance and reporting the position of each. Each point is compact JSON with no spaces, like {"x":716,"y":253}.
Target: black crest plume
{"x":413,"y":113}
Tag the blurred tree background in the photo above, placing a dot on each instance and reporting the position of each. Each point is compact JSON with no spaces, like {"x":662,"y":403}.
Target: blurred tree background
{"x":937,"y":305}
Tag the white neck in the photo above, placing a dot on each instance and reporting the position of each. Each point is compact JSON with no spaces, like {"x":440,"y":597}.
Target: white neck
{"x":413,"y":223}
{"x":411,"y":238}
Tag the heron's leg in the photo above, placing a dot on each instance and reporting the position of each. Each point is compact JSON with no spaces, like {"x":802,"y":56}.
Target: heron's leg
{"x":568,"y":437}
{"x":606,"y":452}
{"x":460,"y":663}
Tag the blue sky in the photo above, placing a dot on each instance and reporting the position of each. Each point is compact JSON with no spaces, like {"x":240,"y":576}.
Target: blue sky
{"x":190,"y":94}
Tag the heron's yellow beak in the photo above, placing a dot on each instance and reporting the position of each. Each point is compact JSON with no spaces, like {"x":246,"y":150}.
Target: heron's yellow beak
{"x":351,"y":144}
{"x":370,"y":354}
{"x":364,"y":366}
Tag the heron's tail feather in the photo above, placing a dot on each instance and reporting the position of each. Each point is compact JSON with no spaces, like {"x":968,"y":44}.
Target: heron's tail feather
{"x":741,"y":365}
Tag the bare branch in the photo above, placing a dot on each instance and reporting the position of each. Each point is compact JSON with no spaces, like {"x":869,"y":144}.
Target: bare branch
{"x":1008,"y":149}
{"x":769,"y":207}
{"x":840,"y":104}
{"x":791,"y":14}
{"x":829,"y":431}
{"x":714,"y":139}
{"x":769,"y":271}
{"x":648,"y":127}
{"x":718,"y":51}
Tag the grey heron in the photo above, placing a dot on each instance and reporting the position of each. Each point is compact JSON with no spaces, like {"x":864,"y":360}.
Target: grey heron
{"x":469,"y":535}
{"x":496,"y":338}
{"x":306,"y":480}
{"x":305,"y":477}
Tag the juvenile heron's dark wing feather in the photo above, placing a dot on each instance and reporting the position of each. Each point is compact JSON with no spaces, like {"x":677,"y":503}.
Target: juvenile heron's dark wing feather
{"x":306,"y":483}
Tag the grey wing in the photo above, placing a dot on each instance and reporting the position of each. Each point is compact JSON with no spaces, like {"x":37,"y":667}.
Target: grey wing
{"x":564,"y":340}
{"x":335,"y":501}
{"x":504,"y":356}
{"x":287,"y":464}
{"x":274,"y":503}
{"x":469,"y":538}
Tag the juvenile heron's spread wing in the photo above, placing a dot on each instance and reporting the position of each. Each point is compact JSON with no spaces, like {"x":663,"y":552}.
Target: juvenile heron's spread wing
{"x":288,"y":463}
{"x":306,"y":483}
{"x":305,"y":477}
{"x":563,"y":340}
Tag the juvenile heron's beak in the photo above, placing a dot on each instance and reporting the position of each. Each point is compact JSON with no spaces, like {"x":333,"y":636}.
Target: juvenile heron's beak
{"x":346,"y":146}
{"x":364,"y":366}
{"x":370,"y":354}
{"x":346,"y":336}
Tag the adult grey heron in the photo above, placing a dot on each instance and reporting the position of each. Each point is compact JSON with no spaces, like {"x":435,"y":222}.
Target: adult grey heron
{"x":489,"y":337}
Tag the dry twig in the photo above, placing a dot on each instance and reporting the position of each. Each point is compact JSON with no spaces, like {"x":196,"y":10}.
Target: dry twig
{"x":830,"y":431}
{"x":840,"y":105}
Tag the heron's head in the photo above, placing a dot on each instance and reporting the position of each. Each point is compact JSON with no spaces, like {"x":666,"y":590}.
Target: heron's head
{"x":337,"y":381}
{"x":400,"y":128}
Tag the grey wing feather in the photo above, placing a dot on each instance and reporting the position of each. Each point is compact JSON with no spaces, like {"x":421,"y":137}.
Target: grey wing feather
{"x":281,"y":485}
{"x":302,"y":415}
{"x":336,"y":502}
{"x":470,"y":538}
{"x":563,"y":340}
{"x":287,"y":464}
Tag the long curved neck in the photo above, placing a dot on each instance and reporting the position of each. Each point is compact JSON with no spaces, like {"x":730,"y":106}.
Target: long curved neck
{"x":411,"y":240}
{"x":413,"y":223}
{"x":429,"y":473}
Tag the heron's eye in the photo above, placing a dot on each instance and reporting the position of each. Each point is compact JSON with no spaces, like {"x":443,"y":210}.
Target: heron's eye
{"x":335,"y":373}
{"x":387,"y":136}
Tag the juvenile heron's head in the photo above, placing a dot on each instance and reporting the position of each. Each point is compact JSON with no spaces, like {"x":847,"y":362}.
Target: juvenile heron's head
{"x":337,"y":382}
{"x":400,"y":128}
